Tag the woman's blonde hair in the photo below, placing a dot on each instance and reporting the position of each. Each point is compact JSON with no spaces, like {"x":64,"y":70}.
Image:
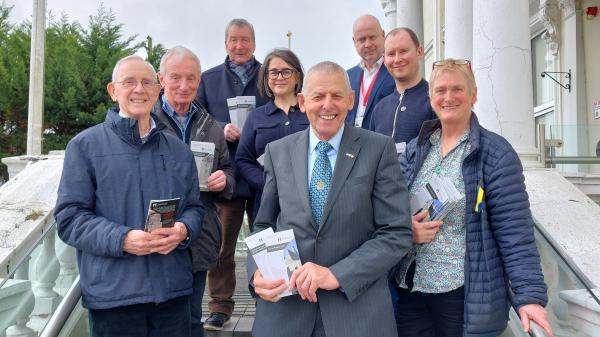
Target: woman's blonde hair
{"x":462,"y":67}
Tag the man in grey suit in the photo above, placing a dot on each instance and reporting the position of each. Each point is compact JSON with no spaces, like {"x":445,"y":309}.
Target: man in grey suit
{"x":351,"y":224}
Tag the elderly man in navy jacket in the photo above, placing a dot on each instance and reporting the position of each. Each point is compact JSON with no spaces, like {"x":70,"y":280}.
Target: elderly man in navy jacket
{"x":134,"y":282}
{"x":237,"y":76}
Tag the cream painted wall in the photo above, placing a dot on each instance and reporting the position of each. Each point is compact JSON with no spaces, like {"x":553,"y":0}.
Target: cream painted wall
{"x":591,"y":42}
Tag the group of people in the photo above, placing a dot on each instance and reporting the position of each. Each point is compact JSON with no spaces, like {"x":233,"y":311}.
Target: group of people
{"x":334,"y":155}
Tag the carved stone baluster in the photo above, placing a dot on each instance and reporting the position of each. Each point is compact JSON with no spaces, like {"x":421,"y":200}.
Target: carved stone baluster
{"x":25,"y":307}
{"x":560,"y":307}
{"x":584,"y":311}
{"x":46,"y":272}
{"x":67,"y":257}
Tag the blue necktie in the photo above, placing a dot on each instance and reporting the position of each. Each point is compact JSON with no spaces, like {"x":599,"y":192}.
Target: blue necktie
{"x":320,"y":181}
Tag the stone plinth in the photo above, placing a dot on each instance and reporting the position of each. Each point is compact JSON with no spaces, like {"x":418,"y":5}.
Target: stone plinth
{"x":584,"y":311}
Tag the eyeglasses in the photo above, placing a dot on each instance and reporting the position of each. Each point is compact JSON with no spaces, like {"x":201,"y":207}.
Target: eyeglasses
{"x":460,"y":62}
{"x":273,"y":74}
{"x":130,"y":83}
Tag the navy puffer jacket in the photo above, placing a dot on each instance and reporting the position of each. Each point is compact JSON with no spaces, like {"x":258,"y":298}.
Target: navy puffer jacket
{"x":501,"y":253}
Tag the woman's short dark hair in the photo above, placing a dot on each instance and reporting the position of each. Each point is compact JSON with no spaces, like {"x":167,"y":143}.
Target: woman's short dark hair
{"x":288,"y":57}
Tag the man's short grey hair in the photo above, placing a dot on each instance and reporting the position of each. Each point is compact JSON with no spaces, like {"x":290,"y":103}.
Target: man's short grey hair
{"x":179,"y":52}
{"x":130,"y":58}
{"x":240,"y":23}
{"x":326,"y":67}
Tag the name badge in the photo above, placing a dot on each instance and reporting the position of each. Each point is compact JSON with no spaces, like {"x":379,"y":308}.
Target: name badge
{"x":400,"y":148}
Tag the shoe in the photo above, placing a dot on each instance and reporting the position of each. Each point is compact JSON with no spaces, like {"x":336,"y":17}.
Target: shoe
{"x":216,"y":321}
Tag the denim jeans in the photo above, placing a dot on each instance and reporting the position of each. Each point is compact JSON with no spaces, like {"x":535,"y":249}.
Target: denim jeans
{"x":170,"y":318}
{"x":196,"y":304}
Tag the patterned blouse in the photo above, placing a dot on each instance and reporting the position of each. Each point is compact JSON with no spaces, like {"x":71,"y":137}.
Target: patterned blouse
{"x":440,"y":263}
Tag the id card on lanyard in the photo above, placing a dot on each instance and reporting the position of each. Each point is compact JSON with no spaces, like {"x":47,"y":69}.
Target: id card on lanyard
{"x":364,"y":96}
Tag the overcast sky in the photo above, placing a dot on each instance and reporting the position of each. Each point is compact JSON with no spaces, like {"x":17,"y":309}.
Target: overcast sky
{"x":322,"y":29}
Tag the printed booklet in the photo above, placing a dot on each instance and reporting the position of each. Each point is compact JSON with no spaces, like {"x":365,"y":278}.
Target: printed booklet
{"x":161,"y":213}
{"x":239,"y":109}
{"x":439,"y":196}
{"x":204,"y":155}
{"x":276,"y":255}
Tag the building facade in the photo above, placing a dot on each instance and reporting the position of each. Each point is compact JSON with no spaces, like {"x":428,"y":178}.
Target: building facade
{"x":511,"y":43}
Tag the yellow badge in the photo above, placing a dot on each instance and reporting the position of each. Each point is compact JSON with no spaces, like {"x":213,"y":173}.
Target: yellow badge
{"x":320,"y":185}
{"x":480,"y":195}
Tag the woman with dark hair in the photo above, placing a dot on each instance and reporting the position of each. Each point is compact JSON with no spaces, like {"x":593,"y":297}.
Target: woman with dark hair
{"x":463,"y":273}
{"x":280,"y":78}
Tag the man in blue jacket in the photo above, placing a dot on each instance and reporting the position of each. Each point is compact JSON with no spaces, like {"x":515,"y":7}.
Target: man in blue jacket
{"x":237,"y":76}
{"x":402,"y":113}
{"x":370,"y":79}
{"x":134,"y":282}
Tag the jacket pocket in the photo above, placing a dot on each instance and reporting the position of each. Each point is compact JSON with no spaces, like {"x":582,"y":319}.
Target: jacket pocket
{"x":266,"y":133}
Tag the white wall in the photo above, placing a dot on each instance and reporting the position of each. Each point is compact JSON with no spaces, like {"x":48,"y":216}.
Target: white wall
{"x":591,"y":42}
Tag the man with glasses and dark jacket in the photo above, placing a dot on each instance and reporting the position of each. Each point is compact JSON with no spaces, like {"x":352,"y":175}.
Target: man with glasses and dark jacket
{"x":134,"y":282}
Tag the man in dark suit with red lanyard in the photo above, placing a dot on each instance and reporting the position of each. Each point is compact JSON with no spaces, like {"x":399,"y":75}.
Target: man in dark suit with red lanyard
{"x":370,"y":79}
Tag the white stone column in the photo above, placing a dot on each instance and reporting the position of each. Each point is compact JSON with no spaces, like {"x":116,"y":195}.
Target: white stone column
{"x":409,"y":13}
{"x":574,"y":110}
{"x":458,"y":36}
{"x":502,"y":65}
{"x":389,"y":10}
{"x":36,"y":79}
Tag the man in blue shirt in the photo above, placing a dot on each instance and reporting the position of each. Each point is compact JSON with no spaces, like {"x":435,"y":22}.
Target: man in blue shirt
{"x":237,"y":76}
{"x":180,"y":76}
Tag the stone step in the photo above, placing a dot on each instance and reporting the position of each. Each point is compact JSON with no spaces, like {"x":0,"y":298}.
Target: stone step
{"x":244,"y":310}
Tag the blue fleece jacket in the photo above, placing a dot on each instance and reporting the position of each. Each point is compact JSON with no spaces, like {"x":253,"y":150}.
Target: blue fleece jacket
{"x":402,"y":118}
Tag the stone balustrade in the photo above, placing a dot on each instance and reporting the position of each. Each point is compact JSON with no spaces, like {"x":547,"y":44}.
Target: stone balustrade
{"x":568,"y":237}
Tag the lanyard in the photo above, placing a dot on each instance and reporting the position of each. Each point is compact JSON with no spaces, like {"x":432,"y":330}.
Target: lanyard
{"x":365,"y":95}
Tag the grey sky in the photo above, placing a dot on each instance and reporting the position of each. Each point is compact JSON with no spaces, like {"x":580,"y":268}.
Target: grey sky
{"x":322,"y":29}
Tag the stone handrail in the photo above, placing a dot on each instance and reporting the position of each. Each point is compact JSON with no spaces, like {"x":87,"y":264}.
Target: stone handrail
{"x":568,"y":237}
{"x":27,"y":232}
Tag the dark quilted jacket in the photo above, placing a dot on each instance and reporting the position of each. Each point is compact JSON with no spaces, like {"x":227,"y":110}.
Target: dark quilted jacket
{"x":501,"y":253}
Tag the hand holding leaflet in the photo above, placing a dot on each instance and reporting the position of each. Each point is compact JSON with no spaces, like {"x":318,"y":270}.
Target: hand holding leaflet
{"x":438,"y":196}
{"x":276,"y":255}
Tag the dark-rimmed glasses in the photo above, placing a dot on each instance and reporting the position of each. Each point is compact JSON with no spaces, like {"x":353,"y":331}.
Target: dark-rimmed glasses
{"x":460,"y":62}
{"x":130,"y":83}
{"x":273,"y":74}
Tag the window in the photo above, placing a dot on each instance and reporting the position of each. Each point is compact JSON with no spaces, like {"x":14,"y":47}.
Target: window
{"x":542,"y":60}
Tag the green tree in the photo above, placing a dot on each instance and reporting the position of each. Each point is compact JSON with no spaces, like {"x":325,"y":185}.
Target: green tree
{"x":64,"y":88}
{"x":104,"y":45}
{"x":14,"y":86}
{"x":78,"y":65}
{"x":153,"y":52}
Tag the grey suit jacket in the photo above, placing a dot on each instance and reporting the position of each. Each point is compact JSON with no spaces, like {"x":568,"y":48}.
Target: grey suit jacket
{"x":365,"y":230}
